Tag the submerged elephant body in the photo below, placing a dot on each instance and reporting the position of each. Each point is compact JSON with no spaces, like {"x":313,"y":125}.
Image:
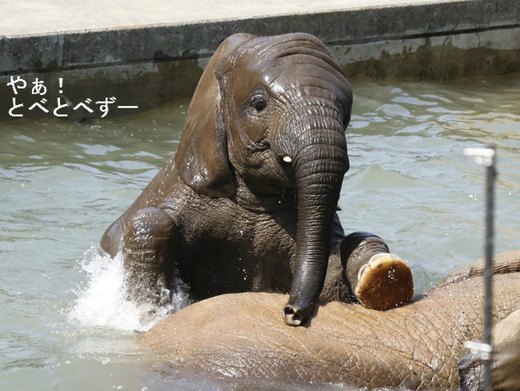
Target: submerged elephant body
{"x":416,"y":346}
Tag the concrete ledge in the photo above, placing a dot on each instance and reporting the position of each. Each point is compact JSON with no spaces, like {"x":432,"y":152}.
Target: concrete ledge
{"x":195,"y":39}
{"x":151,"y":64}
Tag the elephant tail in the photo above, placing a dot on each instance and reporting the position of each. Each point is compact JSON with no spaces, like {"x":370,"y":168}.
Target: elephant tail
{"x":503,"y":263}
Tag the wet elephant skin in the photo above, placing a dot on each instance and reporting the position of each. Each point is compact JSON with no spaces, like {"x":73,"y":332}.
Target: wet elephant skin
{"x":248,"y":202}
{"x":416,"y":346}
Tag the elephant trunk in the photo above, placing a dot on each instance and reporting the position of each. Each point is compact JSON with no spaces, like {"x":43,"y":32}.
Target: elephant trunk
{"x":319,"y":169}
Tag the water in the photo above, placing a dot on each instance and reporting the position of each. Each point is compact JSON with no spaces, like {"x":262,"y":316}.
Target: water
{"x":64,"y":324}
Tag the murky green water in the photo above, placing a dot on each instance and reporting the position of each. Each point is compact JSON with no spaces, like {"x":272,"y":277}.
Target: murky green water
{"x":63,"y":323}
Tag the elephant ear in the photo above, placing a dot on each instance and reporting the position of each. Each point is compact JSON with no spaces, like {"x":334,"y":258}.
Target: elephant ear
{"x":201,"y":160}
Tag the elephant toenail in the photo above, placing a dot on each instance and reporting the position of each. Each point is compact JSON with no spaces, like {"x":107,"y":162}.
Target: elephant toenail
{"x":361,"y":271}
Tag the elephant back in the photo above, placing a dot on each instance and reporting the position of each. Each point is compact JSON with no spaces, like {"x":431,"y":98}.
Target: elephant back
{"x":503,"y":263}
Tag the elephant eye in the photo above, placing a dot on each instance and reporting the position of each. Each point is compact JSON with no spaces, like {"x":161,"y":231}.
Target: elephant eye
{"x":258,"y":102}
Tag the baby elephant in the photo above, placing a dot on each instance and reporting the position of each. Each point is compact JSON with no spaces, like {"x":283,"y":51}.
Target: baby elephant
{"x":248,"y":202}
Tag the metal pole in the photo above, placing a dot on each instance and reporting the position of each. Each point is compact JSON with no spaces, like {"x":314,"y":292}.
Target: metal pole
{"x":487,"y":157}
{"x":488,"y":272}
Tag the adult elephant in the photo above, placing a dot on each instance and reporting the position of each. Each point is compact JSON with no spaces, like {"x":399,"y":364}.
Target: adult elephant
{"x":417,"y":346}
{"x":248,"y":203}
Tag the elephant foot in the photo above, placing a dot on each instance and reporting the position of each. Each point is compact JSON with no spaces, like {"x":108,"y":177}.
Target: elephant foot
{"x":378,"y":279}
{"x":384,"y":282}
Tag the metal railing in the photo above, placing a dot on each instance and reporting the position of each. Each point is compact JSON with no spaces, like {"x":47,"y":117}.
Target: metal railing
{"x":487,"y":157}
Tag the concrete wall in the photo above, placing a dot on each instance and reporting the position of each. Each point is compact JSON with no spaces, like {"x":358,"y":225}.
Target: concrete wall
{"x":434,"y":39}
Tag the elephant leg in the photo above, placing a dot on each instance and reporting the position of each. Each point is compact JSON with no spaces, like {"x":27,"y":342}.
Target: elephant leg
{"x":149,"y":243}
{"x":378,"y":279}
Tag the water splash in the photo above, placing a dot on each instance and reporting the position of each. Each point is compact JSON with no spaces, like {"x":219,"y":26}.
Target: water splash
{"x":102,"y":301}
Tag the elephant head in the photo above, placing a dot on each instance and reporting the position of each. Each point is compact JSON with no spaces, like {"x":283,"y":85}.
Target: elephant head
{"x":275,"y":111}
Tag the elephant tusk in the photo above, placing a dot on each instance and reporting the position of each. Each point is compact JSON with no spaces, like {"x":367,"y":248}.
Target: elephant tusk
{"x":287,"y":159}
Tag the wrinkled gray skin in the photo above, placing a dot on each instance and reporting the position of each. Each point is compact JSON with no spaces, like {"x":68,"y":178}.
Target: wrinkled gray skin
{"x":505,"y":340}
{"x":416,"y":346}
{"x":248,"y":203}
{"x":505,"y":372}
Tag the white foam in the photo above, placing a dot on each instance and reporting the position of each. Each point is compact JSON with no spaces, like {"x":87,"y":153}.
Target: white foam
{"x":102,"y":302}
